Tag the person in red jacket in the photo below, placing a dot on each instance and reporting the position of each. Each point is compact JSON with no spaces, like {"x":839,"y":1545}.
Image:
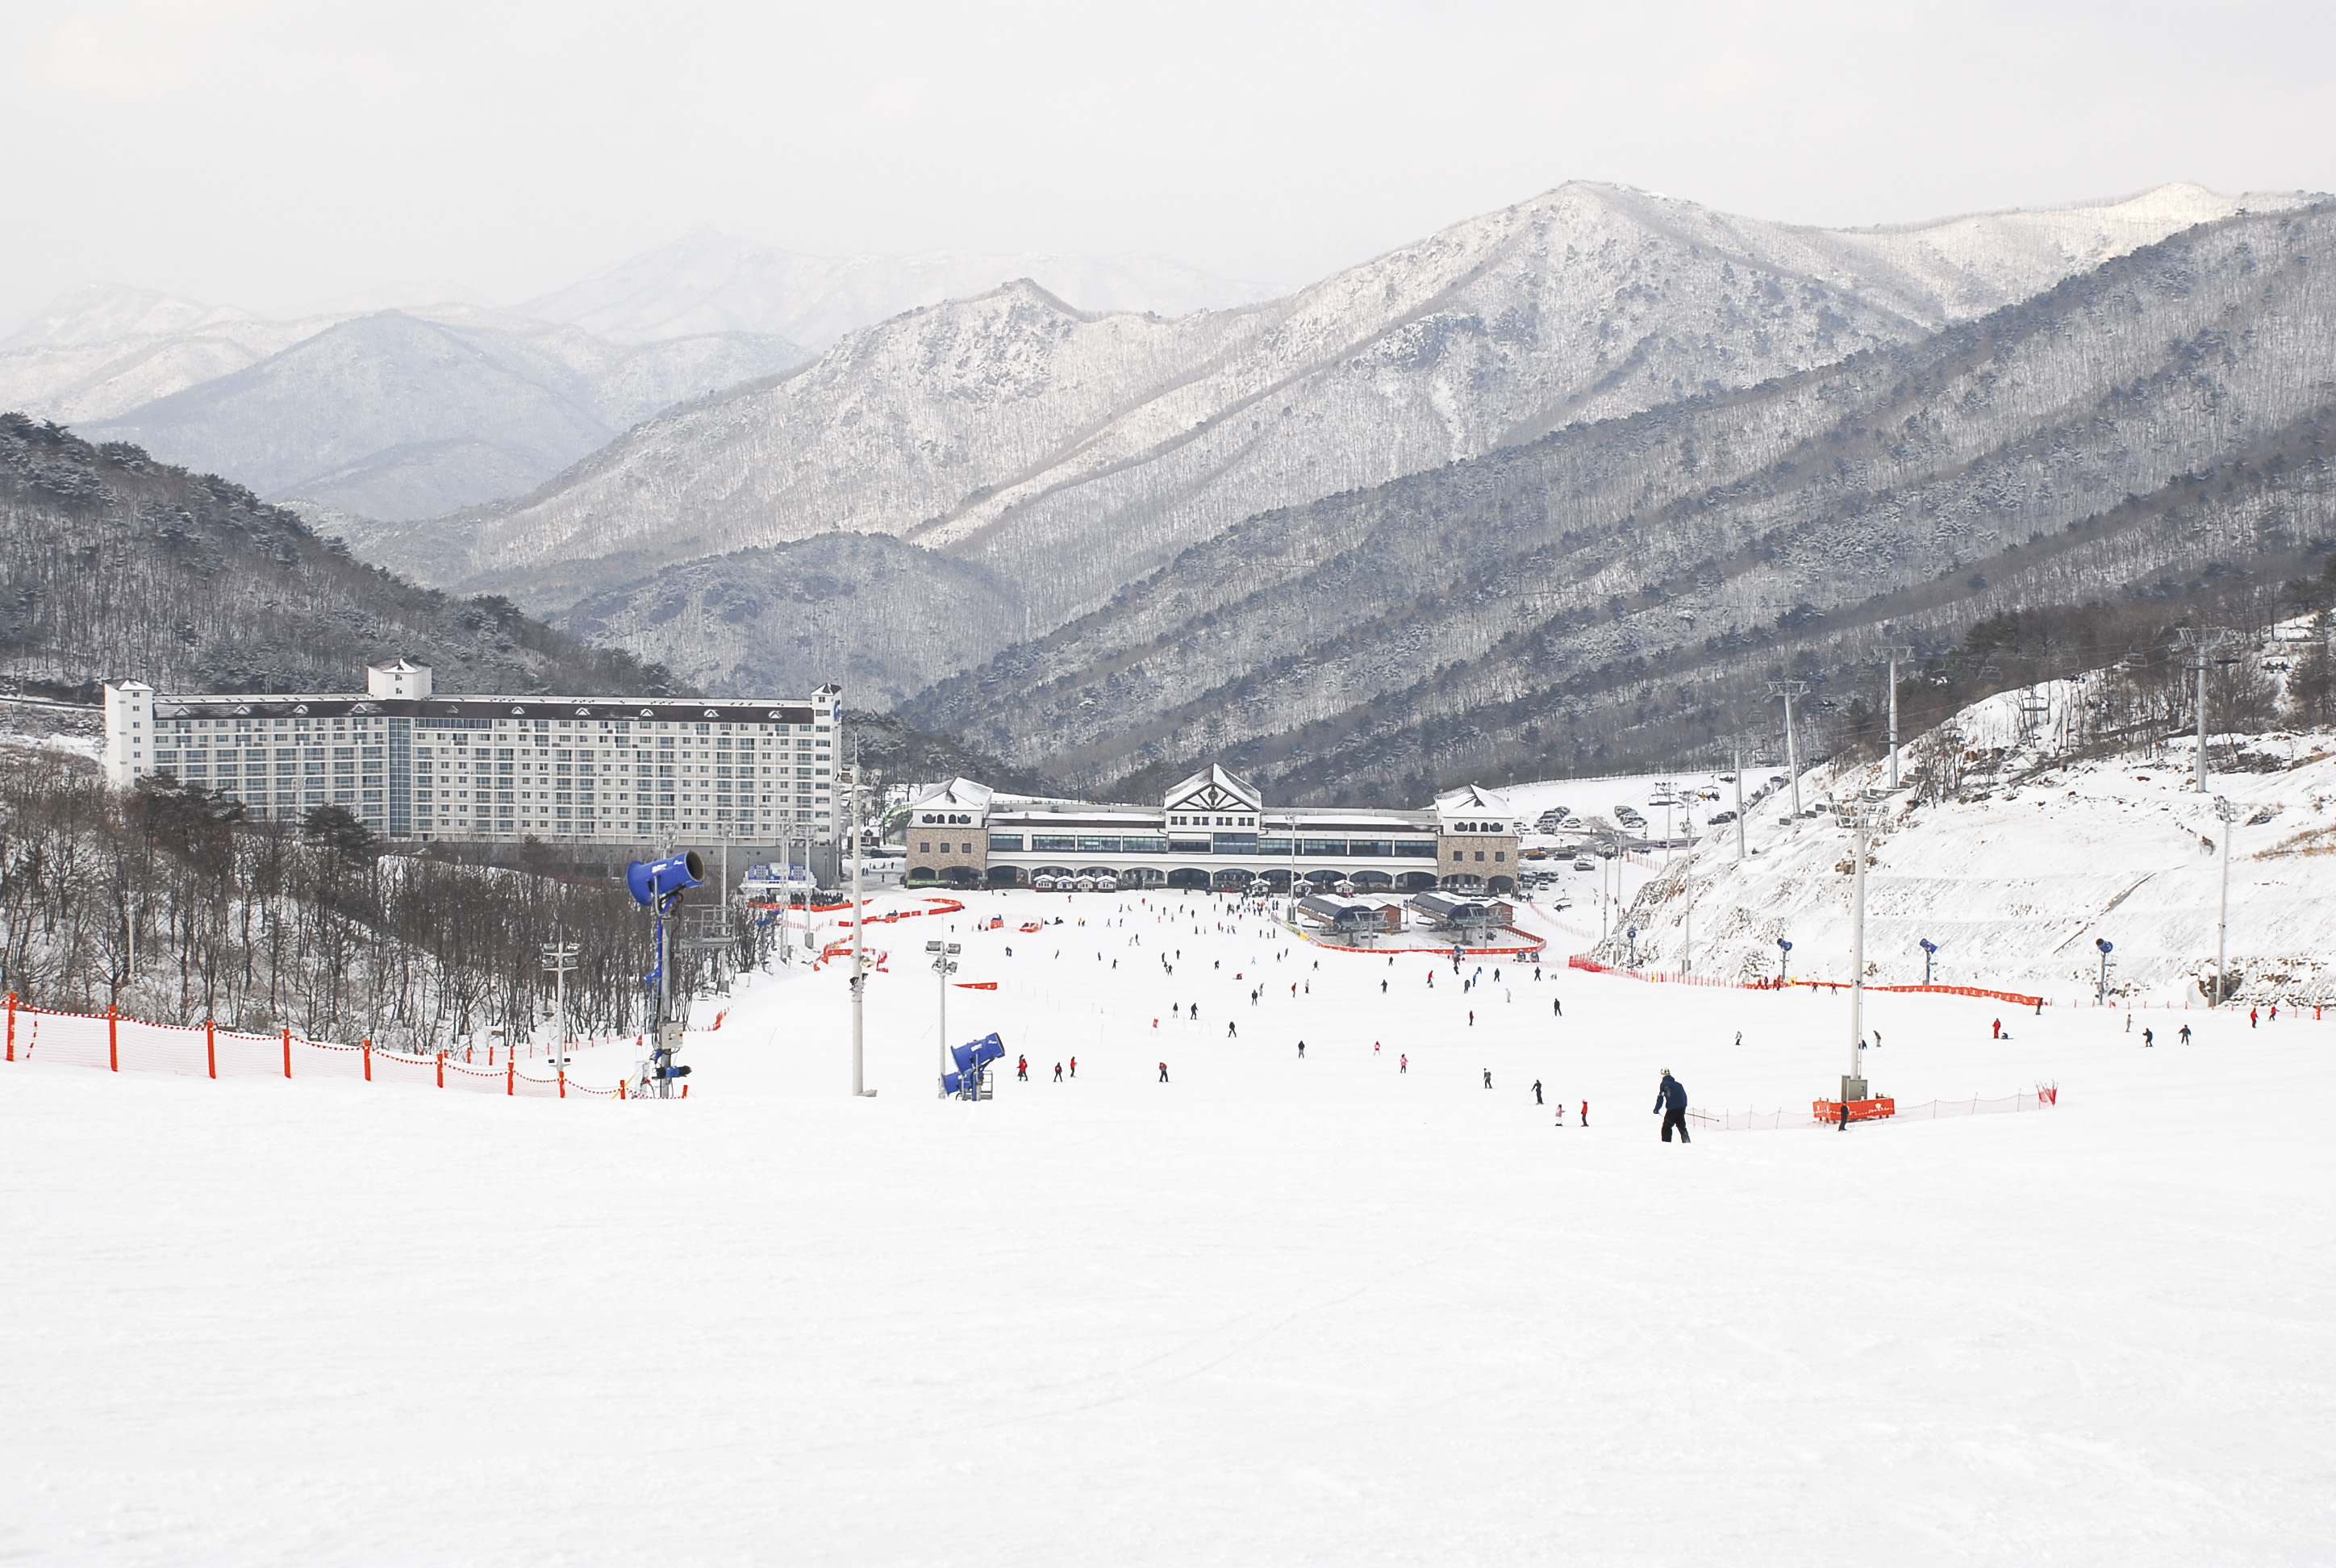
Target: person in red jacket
{"x":1022,"y":1068}
{"x":1163,"y":1071}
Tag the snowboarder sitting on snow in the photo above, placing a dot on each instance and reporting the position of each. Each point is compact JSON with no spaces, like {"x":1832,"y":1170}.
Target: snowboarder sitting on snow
{"x":1670,"y":1099}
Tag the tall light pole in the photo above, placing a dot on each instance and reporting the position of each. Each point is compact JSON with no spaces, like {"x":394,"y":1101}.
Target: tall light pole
{"x":858,"y":942}
{"x":1894,"y":655}
{"x":1788,"y":690}
{"x":944,"y":953}
{"x":2230,"y":815}
{"x":2202,"y":643}
{"x":1865,"y":821}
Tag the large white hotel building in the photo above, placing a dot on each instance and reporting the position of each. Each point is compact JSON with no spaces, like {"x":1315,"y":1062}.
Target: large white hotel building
{"x":410,"y":764}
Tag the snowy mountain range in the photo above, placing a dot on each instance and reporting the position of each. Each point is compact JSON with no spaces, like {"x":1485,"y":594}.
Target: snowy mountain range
{"x":1070,"y":453}
{"x":708,"y":281}
{"x":2152,"y":428}
{"x":416,"y":398}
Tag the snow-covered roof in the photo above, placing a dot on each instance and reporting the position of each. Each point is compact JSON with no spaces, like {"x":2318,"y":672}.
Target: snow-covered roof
{"x":1214,"y":789}
{"x":962,"y":792}
{"x":1474,"y":800}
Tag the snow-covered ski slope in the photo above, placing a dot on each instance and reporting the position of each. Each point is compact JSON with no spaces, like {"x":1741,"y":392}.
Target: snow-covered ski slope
{"x":1271,"y":1311}
{"x":2015,"y":881}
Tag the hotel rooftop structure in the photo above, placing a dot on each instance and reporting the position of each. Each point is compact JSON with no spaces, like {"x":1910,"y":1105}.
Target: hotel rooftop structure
{"x":410,"y":764}
{"x":1211,"y":831}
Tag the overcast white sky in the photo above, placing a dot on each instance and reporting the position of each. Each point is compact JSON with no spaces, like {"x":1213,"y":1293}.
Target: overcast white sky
{"x":274,"y":154}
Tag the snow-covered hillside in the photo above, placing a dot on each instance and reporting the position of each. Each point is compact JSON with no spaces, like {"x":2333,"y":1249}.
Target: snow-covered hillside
{"x":1014,"y":428}
{"x":2019,"y":871}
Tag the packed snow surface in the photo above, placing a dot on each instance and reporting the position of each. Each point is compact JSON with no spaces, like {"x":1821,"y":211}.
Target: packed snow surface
{"x":1272,"y":1311}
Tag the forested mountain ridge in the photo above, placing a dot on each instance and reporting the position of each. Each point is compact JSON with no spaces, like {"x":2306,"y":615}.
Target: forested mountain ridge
{"x":118,"y":566}
{"x":1069,"y":453}
{"x":1553,"y":588}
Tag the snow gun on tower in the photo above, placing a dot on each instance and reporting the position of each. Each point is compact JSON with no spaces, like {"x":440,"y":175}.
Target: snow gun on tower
{"x":657,"y":886}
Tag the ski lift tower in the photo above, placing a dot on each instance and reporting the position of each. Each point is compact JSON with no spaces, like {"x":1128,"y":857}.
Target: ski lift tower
{"x":559,"y":962}
{"x":1788,"y":690}
{"x":1893,"y":656}
{"x":2203,"y":645}
{"x":1667,"y":796}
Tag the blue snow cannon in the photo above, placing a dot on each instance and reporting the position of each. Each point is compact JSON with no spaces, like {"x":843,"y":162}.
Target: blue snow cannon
{"x":970,"y":1081}
{"x":654,"y":881}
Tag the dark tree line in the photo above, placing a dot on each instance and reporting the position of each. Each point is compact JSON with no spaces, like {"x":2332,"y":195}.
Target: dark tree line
{"x":168,"y":905}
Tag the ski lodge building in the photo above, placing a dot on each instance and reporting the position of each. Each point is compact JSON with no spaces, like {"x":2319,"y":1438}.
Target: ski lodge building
{"x":412,"y":764}
{"x":1211,"y":831}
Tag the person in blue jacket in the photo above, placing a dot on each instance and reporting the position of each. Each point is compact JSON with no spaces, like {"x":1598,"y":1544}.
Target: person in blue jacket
{"x":1670,"y":1099}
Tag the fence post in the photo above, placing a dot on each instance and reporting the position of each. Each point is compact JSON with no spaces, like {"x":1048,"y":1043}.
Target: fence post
{"x":368,"y":1061}
{"x":442,"y":1069}
{"x":621,"y":1089}
{"x":287,"y":1050}
{"x":113,"y":1040}
{"x":210,"y":1046}
{"x":563,"y":1083}
{"x":12,"y":1026}
{"x":510,"y":1074}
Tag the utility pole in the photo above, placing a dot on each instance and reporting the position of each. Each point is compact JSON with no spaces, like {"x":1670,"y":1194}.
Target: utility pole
{"x":859,"y":943}
{"x":1865,"y":821}
{"x":1666,"y":795}
{"x":2202,"y":643}
{"x":1739,"y":801}
{"x":1788,"y":690}
{"x":943,"y":954}
{"x":560,"y":958}
{"x":1894,"y":655}
{"x":2230,"y":815}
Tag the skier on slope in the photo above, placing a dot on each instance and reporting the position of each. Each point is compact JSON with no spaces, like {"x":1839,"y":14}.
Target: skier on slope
{"x":1301,"y":1050}
{"x":1537,"y":1099}
{"x":1058,"y":1072}
{"x":2186,"y":1034}
{"x":1163,"y":1071}
{"x":1022,"y":1070}
{"x":1670,"y":1099}
{"x":1488,"y":1077}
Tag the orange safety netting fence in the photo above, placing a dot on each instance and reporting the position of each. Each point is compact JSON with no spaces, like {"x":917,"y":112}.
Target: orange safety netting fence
{"x":1654,"y":977}
{"x":2042,"y":1097}
{"x":124,"y":1045}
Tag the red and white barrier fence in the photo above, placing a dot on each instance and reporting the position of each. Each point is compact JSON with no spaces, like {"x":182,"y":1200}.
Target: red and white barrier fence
{"x":117,"y":1043}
